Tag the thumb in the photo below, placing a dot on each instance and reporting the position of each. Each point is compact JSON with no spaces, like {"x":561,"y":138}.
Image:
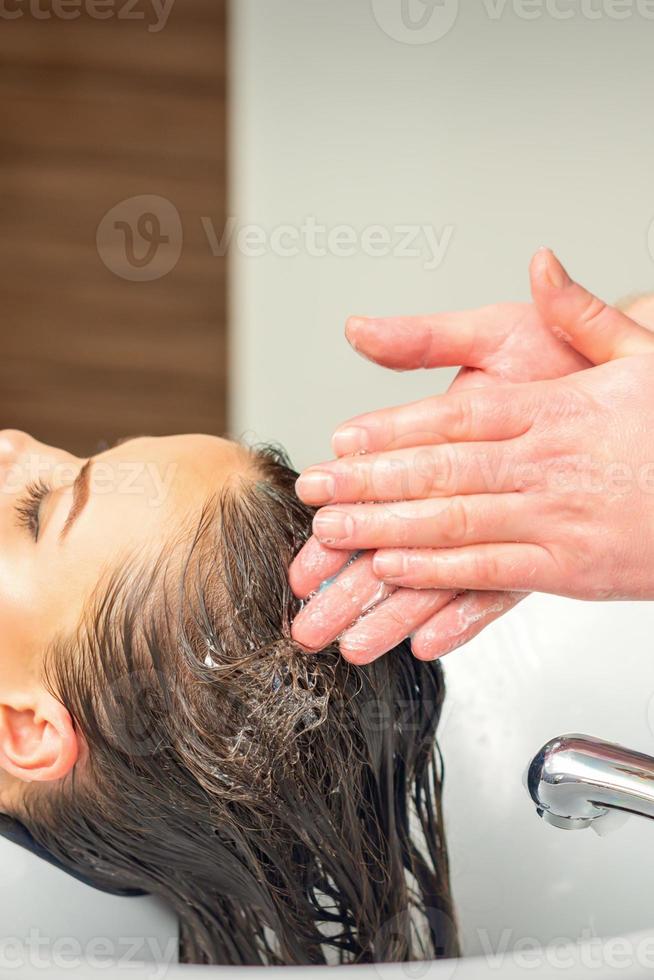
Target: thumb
{"x":598,"y":331}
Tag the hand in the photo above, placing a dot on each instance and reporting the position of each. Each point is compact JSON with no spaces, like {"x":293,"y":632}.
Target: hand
{"x":499,"y":344}
{"x":546,"y":486}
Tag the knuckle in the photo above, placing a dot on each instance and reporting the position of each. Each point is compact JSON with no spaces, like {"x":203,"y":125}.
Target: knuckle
{"x":400,"y":479}
{"x":432,"y":472}
{"x":592,"y":310}
{"x":456,"y":522}
{"x":569,"y":508}
{"x":487,"y":569}
{"x":398,"y":620}
{"x":459,"y":417}
{"x":443,"y":470}
{"x":580,"y":557}
{"x":529,"y":473}
{"x":363,"y":481}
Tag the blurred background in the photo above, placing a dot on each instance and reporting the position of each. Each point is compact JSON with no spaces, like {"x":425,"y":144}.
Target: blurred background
{"x":101,"y":103}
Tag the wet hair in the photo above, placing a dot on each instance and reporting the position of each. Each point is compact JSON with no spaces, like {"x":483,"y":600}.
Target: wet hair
{"x":287,"y":806}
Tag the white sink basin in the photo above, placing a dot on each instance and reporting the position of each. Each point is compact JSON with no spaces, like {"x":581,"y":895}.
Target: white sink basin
{"x":553,"y":666}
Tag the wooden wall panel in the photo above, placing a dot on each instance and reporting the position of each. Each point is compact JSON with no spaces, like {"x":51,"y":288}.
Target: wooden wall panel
{"x":94,"y":112}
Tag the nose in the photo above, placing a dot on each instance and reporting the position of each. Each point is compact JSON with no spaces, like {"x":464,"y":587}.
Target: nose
{"x":18,"y":465}
{"x":12,"y":443}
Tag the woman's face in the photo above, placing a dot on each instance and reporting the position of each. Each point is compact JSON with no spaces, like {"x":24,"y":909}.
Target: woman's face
{"x":64,"y":521}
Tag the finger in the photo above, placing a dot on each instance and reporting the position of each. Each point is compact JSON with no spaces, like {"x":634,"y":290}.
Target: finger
{"x":443,"y":340}
{"x":471,"y":415}
{"x":488,"y":567}
{"x":450,"y":522}
{"x":460,"y":621}
{"x":391,"y":622}
{"x":349,"y":596}
{"x":414,"y":474}
{"x":314,"y":565}
{"x":598,"y":331}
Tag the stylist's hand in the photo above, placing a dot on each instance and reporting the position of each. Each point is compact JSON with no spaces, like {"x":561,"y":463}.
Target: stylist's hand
{"x":546,"y":486}
{"x":498,"y":344}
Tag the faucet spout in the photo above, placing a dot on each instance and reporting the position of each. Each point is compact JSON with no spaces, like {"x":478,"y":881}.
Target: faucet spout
{"x":577,"y":781}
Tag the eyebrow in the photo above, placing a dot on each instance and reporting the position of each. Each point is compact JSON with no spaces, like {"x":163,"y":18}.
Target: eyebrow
{"x":81,"y":494}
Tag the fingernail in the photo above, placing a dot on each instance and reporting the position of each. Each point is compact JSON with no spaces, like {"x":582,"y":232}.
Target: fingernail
{"x":555,"y":272}
{"x":350,"y":440}
{"x":331,"y":526}
{"x":389,"y":566}
{"x":316,"y":487}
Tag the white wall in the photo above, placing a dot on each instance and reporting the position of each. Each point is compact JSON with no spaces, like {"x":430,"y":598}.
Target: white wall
{"x":514,"y":132}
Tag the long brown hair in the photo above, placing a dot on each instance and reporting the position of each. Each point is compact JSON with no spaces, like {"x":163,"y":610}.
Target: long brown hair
{"x":287,"y":806}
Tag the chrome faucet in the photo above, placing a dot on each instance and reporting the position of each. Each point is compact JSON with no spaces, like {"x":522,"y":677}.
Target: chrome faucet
{"x":577,"y":781}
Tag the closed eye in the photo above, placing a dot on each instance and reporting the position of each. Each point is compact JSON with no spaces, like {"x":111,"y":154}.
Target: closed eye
{"x":28,"y":506}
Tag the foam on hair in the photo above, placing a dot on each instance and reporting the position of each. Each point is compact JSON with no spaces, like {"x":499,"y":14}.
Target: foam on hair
{"x":287,"y":806}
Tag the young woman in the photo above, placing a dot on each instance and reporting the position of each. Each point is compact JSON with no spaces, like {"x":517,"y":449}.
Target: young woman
{"x":160,"y":731}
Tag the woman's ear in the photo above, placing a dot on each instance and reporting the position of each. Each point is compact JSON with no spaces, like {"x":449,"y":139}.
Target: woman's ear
{"x":38,"y":742}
